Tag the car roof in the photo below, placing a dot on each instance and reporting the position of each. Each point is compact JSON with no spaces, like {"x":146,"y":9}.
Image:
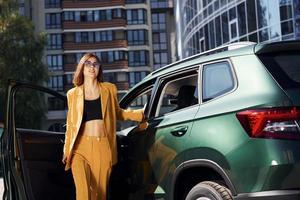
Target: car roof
{"x":223,"y":52}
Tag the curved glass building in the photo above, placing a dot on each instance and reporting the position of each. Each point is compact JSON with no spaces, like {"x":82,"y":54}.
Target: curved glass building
{"x":206,"y":24}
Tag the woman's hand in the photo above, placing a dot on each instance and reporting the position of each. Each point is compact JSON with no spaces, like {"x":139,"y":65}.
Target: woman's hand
{"x":64,"y":159}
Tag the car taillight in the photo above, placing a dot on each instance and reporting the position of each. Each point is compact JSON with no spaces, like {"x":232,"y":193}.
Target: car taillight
{"x":277,"y":123}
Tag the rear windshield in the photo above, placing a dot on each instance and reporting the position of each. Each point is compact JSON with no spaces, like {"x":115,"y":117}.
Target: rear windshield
{"x":284,"y":67}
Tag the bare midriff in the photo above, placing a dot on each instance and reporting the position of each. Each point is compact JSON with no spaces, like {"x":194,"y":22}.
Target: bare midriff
{"x":93,"y":128}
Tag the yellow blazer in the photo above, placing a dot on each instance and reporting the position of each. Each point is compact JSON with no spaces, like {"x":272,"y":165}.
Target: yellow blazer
{"x":111,"y":112}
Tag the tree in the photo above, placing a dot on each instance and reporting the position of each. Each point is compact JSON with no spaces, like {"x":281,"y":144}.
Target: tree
{"x":21,"y":53}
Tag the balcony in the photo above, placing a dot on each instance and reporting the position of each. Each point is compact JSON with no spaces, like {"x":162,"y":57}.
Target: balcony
{"x":91,"y":3}
{"x":97,"y":45}
{"x":93,"y":25}
{"x":115,"y":65}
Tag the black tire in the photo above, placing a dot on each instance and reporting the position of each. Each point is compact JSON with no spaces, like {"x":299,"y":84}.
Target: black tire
{"x":209,"y":191}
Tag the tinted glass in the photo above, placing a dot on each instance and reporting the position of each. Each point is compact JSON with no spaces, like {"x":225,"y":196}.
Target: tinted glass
{"x":217,"y":80}
{"x":285,"y":68}
{"x":39,"y":110}
{"x":178,"y":94}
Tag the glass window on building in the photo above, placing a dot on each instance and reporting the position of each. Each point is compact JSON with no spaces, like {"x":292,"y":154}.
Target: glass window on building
{"x":69,"y":37}
{"x":262,"y":13}
{"x":225,"y":29}
{"x":160,"y":59}
{"x":54,"y":62}
{"x":54,"y":41}
{"x":52,"y":4}
{"x":78,"y":56}
{"x":109,"y":76}
{"x":69,"y":78}
{"x":90,"y":16}
{"x":103,"y":36}
{"x":263,"y":35}
{"x":159,"y":40}
{"x":83,"y":16}
{"x":69,"y":16}
{"x":158,"y":21}
{"x":77,"y":16}
{"x":274,"y":21}
{"x":69,"y":58}
{"x":96,"y":15}
{"x":84,"y":37}
{"x":116,"y":77}
{"x":159,"y":3}
{"x":136,"y":77}
{"x":233,"y":29}
{"x":117,"y":13}
{"x":223,"y":3}
{"x":108,"y":14}
{"x":251,"y":16}
{"x":90,"y":37}
{"x":56,"y":83}
{"x":137,"y":37}
{"x":138,"y":58}
{"x":287,"y":27}
{"x":110,"y":56}
{"x":218,"y":30}
{"x":122,"y":77}
{"x":241,"y":14}
{"x":136,"y":16}
{"x":102,"y":15}
{"x":53,"y":20}
{"x":253,"y":37}
{"x":212,"y":35}
{"x":285,"y":10}
{"x":216,"y":5}
{"x":135,"y":1}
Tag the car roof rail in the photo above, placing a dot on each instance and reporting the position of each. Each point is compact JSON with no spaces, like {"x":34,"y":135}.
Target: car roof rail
{"x":227,"y":47}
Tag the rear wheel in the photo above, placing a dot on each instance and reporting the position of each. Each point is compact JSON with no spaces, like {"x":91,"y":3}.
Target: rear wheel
{"x":209,"y":190}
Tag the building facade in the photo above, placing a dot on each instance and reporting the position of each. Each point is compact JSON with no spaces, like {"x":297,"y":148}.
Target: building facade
{"x":119,"y":32}
{"x":163,"y":33}
{"x":206,"y":24}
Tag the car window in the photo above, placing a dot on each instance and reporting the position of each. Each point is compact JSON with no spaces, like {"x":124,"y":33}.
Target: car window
{"x":284,"y":67}
{"x":217,"y":80}
{"x":138,"y":102}
{"x":178,"y":94}
{"x":39,"y":110}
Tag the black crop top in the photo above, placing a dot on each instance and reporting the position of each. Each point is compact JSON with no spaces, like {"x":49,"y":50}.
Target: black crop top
{"x":92,"y":110}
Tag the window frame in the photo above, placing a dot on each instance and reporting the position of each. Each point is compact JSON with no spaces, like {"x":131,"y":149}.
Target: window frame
{"x":161,"y":83}
{"x":201,"y":73}
{"x":137,"y":91}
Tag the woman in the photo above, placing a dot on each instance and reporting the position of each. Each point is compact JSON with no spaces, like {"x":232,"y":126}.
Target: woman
{"x":90,"y":143}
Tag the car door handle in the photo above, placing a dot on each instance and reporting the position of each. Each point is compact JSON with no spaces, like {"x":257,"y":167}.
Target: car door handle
{"x":179,"y":131}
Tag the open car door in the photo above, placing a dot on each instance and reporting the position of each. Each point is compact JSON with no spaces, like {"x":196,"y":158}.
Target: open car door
{"x":32,"y":144}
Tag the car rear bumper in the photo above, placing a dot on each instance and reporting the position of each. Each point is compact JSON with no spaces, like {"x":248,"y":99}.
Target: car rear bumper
{"x":270,"y":195}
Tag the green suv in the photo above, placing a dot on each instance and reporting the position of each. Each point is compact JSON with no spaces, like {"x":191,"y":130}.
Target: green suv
{"x":220,"y":125}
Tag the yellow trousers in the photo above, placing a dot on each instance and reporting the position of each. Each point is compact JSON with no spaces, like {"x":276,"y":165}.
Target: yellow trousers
{"x":91,"y":167}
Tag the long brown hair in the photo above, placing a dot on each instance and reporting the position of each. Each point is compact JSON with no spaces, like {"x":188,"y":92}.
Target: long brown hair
{"x":78,"y":76}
